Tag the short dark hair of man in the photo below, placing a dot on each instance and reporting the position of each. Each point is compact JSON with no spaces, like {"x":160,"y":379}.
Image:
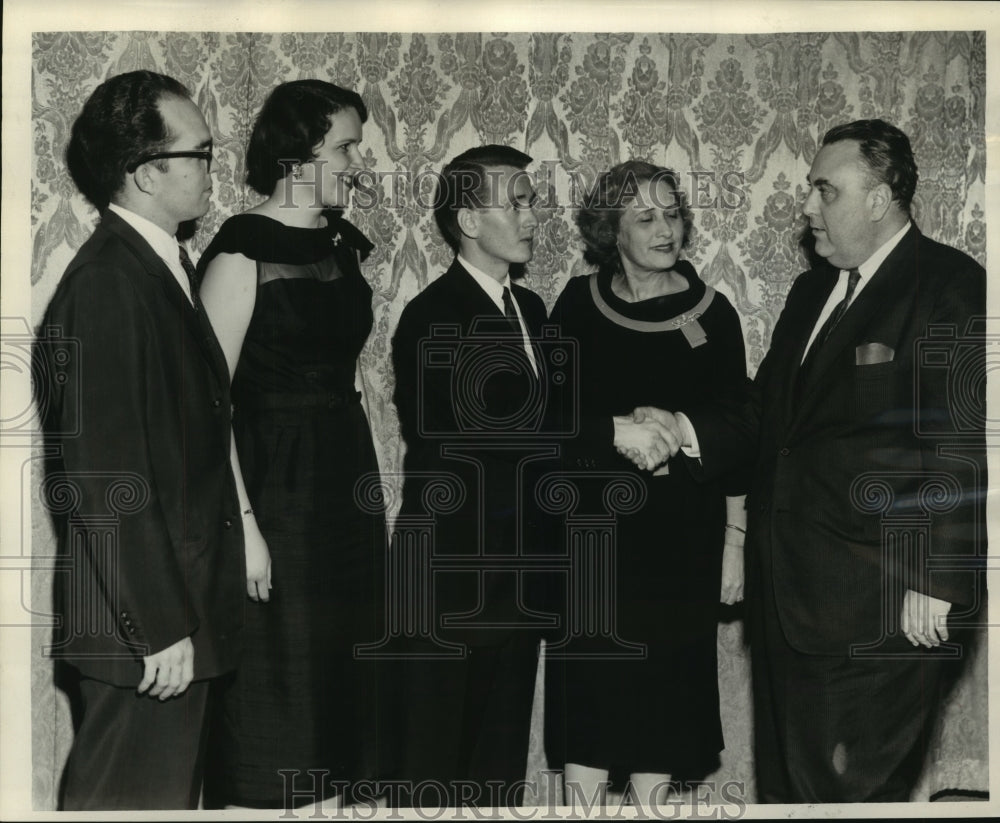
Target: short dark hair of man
{"x":119,"y":123}
{"x":292,"y":122}
{"x":464,"y":184}
{"x":604,"y":205}
{"x":887,"y":152}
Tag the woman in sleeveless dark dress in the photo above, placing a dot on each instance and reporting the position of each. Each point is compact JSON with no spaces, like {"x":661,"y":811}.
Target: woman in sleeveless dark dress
{"x":284,"y":292}
{"x":651,"y":337}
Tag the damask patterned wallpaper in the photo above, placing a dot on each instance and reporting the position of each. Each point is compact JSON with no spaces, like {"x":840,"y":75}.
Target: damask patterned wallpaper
{"x":739,"y":116}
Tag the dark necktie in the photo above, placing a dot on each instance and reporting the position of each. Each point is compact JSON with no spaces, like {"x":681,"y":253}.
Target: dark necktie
{"x":510,"y":312}
{"x":853,"y":277}
{"x":191,"y":272}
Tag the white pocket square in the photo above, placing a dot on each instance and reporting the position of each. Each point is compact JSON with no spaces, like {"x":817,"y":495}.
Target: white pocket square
{"x":868,"y":354}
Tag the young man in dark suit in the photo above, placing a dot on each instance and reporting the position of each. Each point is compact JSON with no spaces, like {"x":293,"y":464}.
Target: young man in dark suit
{"x":865,"y":425}
{"x":471,"y":389}
{"x":151,"y":598}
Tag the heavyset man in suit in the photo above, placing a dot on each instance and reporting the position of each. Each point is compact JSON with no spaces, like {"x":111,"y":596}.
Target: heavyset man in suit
{"x":859,"y":444}
{"x":153,"y":611}
{"x":468,"y":387}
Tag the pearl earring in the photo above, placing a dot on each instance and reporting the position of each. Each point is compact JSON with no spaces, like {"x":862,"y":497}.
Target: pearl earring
{"x":297,"y":171}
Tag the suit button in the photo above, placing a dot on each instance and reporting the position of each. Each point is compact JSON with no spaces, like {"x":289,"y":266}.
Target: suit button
{"x":216,"y":402}
{"x":228,"y":524}
{"x":124,"y":615}
{"x":785,"y":452}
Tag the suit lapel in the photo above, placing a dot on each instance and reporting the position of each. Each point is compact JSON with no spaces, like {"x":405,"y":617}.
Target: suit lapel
{"x":874,"y":302}
{"x":520,"y":294}
{"x":533,"y":322}
{"x":466,"y":289}
{"x":195,"y":319}
{"x":469,"y":293}
{"x":813,"y":303}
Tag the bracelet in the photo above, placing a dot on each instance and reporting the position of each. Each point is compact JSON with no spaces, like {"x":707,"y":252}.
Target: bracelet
{"x":740,"y":529}
{"x":247,"y":511}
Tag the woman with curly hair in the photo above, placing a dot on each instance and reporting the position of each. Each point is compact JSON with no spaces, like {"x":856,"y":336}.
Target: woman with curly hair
{"x":651,"y":337}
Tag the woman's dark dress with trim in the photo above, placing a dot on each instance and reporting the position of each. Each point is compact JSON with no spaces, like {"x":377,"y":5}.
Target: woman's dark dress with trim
{"x":300,"y":699}
{"x":649,"y":703}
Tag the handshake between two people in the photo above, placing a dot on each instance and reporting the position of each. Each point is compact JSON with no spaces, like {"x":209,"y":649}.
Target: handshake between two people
{"x":649,"y":437}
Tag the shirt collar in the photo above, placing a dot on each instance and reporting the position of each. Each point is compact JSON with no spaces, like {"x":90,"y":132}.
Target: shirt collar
{"x":162,"y":243}
{"x":870,"y":266}
{"x":490,"y":285}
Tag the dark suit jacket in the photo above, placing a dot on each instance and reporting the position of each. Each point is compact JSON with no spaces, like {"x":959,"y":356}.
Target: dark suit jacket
{"x":140,"y":426}
{"x":472,"y":415}
{"x":856,"y":448}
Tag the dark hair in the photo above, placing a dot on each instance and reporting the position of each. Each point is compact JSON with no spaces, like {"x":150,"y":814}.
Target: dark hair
{"x":464,"y":184}
{"x":292,"y":122}
{"x":887,"y":153}
{"x":119,"y":123}
{"x":604,"y":205}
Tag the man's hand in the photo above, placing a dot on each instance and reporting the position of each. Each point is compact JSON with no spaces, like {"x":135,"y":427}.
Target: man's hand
{"x":667,"y":433}
{"x":169,"y":671}
{"x":666,"y":419}
{"x":924,"y":619}
{"x":647,"y":443}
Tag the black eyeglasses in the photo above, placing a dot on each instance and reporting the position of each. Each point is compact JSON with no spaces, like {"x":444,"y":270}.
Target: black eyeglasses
{"x":201,"y":154}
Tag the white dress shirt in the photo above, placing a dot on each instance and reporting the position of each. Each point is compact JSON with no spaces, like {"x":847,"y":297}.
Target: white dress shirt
{"x":866,"y":270}
{"x":165,"y":246}
{"x":494,"y":290}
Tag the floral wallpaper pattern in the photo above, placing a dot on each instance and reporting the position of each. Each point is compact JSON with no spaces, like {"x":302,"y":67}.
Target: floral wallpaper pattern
{"x":739,"y":116}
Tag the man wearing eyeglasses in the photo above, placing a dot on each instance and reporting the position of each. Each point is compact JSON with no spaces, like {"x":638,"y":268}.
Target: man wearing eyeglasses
{"x":151,"y":591}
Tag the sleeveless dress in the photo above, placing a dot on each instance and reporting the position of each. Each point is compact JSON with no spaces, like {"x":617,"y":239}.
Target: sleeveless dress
{"x":299,"y":699}
{"x":656,"y":710}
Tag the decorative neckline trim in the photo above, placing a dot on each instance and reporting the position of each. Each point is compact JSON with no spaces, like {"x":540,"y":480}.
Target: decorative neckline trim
{"x":676,"y":323}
